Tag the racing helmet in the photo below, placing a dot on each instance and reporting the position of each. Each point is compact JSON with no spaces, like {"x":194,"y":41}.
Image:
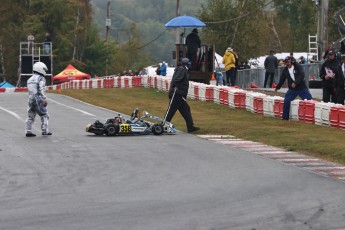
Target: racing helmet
{"x":40,"y":68}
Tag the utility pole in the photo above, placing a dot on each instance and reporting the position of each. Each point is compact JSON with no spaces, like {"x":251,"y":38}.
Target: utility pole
{"x":177,"y":14}
{"x":322,"y":25}
{"x":107,"y":25}
{"x":107,"y":22}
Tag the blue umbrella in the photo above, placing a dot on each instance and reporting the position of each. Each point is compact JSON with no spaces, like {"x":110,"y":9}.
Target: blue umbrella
{"x":184,"y":21}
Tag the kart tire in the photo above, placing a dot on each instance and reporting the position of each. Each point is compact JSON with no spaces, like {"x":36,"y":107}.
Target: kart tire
{"x":157,"y":129}
{"x":110,"y":130}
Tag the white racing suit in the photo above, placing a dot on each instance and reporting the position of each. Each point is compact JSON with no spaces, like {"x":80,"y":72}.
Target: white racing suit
{"x":36,"y":88}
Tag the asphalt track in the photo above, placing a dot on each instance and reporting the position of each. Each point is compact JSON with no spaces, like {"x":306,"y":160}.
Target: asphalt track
{"x":76,"y":181}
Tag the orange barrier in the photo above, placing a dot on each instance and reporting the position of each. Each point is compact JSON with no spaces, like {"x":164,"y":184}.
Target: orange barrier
{"x":278,"y":107}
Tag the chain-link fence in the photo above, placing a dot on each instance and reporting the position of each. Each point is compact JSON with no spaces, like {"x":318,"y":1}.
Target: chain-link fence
{"x":247,"y":77}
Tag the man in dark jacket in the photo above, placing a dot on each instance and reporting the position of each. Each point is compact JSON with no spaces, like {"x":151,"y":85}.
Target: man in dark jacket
{"x":178,"y":92}
{"x":329,"y":73}
{"x":294,"y":74}
{"x":271,"y":64}
{"x":193,"y":43}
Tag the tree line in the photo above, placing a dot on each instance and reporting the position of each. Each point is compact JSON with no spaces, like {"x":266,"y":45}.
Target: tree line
{"x":75,"y":37}
{"x":77,"y":30}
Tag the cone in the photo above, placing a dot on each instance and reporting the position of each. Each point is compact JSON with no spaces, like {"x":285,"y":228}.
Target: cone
{"x":254,"y":86}
{"x":213,"y":77}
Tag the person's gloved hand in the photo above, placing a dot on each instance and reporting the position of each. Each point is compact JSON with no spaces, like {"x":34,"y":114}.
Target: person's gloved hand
{"x":45,"y":103}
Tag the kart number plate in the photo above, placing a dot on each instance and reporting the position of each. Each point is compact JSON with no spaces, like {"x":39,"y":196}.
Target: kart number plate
{"x":125,"y":128}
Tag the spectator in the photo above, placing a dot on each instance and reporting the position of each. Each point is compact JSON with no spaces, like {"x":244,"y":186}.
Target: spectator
{"x":37,"y":101}
{"x":237,"y":63}
{"x":302,"y":60}
{"x":328,"y":73}
{"x":246,"y":65}
{"x":240,"y":65}
{"x":31,"y":39}
{"x":193,"y":43}
{"x":219,"y":78}
{"x":294,"y":74}
{"x":164,"y":69}
{"x":124,"y":73}
{"x":46,"y":43}
{"x":178,"y":95}
{"x":271,"y":64}
{"x":229,"y":61}
{"x":130,"y":73}
{"x":340,"y":82}
{"x":158,"y":69}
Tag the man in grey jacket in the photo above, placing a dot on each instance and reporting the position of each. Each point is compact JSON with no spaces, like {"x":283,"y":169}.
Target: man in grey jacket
{"x":271,"y":64}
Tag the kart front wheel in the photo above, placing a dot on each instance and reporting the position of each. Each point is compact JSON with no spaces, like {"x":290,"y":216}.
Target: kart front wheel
{"x":110,"y":130}
{"x":157,"y":129}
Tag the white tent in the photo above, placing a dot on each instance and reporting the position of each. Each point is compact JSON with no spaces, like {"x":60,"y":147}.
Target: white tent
{"x":259,"y":61}
{"x":218,"y":62}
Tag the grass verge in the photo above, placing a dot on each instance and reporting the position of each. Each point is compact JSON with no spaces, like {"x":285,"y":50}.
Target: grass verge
{"x":323,"y":142}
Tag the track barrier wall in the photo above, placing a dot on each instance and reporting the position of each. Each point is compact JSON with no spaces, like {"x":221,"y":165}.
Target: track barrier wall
{"x":306,"y":111}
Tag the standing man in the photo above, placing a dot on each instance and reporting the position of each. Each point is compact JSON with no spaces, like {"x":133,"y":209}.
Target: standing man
{"x":294,"y":74}
{"x":271,"y":64}
{"x":179,"y":86}
{"x":37,"y":101}
{"x":329,"y":73}
{"x":193,"y":42}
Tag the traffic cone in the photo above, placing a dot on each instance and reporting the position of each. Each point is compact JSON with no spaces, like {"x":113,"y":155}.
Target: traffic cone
{"x":253,"y":86}
{"x":213,"y":77}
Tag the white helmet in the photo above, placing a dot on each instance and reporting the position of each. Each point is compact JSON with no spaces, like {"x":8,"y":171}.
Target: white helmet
{"x":40,"y":67}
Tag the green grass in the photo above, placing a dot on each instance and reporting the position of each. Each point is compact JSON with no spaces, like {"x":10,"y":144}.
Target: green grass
{"x":324,"y":142}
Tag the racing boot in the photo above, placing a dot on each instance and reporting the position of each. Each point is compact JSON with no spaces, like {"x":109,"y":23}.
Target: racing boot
{"x":30,"y":134}
{"x":193,"y":129}
{"x":46,"y":133}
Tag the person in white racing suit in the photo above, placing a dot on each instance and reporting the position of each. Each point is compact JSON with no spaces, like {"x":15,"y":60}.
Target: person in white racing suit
{"x":37,"y":101}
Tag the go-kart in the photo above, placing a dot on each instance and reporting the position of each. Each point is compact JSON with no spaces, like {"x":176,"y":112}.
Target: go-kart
{"x":135,"y":125}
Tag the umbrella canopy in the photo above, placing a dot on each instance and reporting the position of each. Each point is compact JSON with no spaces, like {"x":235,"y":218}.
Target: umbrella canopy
{"x":184,"y":21}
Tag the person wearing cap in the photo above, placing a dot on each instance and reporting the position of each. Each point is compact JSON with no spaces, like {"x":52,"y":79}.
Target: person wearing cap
{"x":271,"y":64}
{"x":330,"y":75}
{"x":294,"y":74}
{"x":193,"y":43}
{"x":229,"y":62}
{"x":178,"y":92}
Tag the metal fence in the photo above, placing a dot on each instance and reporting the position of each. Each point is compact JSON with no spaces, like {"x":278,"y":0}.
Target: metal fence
{"x":247,"y":77}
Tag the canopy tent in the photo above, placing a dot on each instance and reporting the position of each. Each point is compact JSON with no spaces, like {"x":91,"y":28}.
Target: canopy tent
{"x":5,"y":84}
{"x":70,"y":73}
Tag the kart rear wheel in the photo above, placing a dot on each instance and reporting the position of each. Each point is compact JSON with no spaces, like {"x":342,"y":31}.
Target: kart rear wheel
{"x":157,"y":129}
{"x":110,"y":130}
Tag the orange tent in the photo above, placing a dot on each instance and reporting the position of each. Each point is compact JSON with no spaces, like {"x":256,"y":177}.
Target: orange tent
{"x":69,"y":74}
